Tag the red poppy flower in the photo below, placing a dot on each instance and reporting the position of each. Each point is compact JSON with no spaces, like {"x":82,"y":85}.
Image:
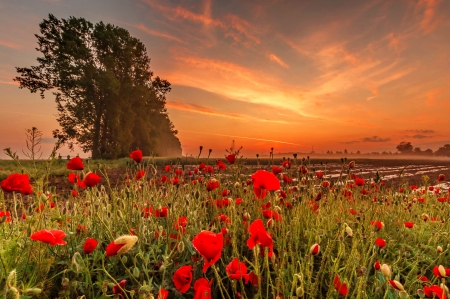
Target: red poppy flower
{"x":17,"y":182}
{"x":75,"y":164}
{"x":434,"y":291}
{"x":212,"y":185}
{"x":231,"y":158}
{"x":74,"y":193}
{"x":202,"y":166}
{"x":117,"y":289}
{"x":163,"y":294}
{"x":353,"y":212}
{"x":90,"y":245}
{"x":202,"y":289}
{"x":359,"y":181}
{"x":340,"y":287}
{"x":276,"y":170}
{"x":441,"y":177}
{"x":380,"y":242}
{"x":5,"y":216}
{"x":441,"y":272}
{"x":161,"y":213}
{"x":91,"y":179}
{"x":287,"y":179}
{"x":326,"y":184}
{"x":175,"y":180}
{"x":222,"y":202}
{"x":136,"y":156}
{"x":239,"y":200}
{"x":182,"y":278}
{"x":266,"y":181}
{"x":286,"y":164}
{"x":209,"y":245}
{"x":409,"y":224}
{"x":220,"y":165}
{"x":236,"y":270}
{"x":259,"y":235}
{"x":181,"y":223}
{"x":303,"y":169}
{"x":52,"y":237}
{"x":319,"y":175}
{"x":422,"y":278}
{"x":113,"y":248}
{"x":351,"y":164}
{"x":140,"y":174}
{"x":396,"y":285}
{"x":73,"y":178}
{"x":377,"y":224}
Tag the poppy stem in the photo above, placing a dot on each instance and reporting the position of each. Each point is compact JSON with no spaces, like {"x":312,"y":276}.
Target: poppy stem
{"x":112,"y":278}
{"x":220,"y":283}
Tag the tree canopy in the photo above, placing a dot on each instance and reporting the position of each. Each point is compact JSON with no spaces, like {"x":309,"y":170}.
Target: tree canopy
{"x":107,"y":98}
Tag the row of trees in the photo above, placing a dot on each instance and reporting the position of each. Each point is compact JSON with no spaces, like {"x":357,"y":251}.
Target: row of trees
{"x":408,"y":149}
{"x":107,"y":99}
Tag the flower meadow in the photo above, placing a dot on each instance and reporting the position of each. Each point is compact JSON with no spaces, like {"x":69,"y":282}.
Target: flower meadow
{"x":218,"y":230}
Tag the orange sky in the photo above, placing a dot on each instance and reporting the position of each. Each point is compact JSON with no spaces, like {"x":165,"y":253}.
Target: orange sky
{"x":355,"y":75}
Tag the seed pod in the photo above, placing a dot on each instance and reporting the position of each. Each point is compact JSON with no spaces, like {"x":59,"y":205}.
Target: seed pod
{"x":136,"y":272}
{"x":11,"y":281}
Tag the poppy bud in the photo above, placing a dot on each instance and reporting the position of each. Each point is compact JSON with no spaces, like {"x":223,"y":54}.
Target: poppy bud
{"x":180,"y":247}
{"x":439,"y":249}
{"x":314,"y":250}
{"x":33,"y":291}
{"x":349,"y":231}
{"x":442,"y":271}
{"x":299,"y":292}
{"x":396,"y":285}
{"x":351,"y":164}
{"x":441,"y":177}
{"x":65,"y":282}
{"x":403,"y":295}
{"x":444,"y":287}
{"x":386,"y":270}
{"x":425,"y":217}
{"x":136,"y":272}
{"x":377,"y":265}
{"x":124,"y":259}
{"x":421,"y":293}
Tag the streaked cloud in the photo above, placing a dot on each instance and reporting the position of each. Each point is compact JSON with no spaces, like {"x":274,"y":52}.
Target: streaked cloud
{"x":275,"y":58}
{"x":8,"y":44}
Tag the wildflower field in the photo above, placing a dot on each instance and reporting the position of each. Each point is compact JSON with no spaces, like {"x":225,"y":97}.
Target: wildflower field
{"x":222,"y":229}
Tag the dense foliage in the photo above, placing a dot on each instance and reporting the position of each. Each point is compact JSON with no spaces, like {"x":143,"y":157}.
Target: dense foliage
{"x":107,"y":99}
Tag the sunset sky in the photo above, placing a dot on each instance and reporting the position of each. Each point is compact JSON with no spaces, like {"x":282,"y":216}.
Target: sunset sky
{"x":333,"y":75}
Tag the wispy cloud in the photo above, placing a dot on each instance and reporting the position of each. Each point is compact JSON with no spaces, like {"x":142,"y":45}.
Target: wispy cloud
{"x":143,"y":28}
{"x":195,"y":108}
{"x":275,"y":58}
{"x":420,"y":136}
{"x":249,"y":138}
{"x":9,"y":44}
{"x":375,"y":139}
{"x":421,"y":131}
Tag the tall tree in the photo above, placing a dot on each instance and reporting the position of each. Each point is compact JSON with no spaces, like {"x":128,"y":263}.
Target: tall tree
{"x":107,"y":99}
{"x":405,"y":147}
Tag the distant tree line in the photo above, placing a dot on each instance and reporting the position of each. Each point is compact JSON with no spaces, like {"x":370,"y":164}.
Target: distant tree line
{"x":404,"y":148}
{"x":108,"y":101}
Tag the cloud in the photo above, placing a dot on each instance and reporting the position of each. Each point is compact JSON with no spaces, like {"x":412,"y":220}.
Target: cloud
{"x":249,"y":138}
{"x":421,"y":131}
{"x":429,"y":21}
{"x":375,"y":139}
{"x":142,"y":27}
{"x":419,"y":136}
{"x":351,"y":142}
{"x":195,"y":108}
{"x":275,"y":58}
{"x":9,"y":44}
{"x":231,"y":25}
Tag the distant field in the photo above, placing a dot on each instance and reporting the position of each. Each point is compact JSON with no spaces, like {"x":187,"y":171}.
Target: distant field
{"x":413,"y":170}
